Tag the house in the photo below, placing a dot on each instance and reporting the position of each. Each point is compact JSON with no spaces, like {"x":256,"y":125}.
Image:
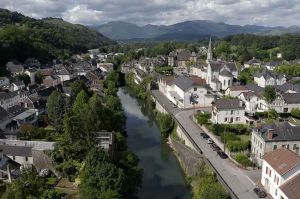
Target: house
{"x":235,"y":90}
{"x":51,"y":80}
{"x":35,"y":103}
{"x":66,"y":73}
{"x":24,"y":152}
{"x":15,"y":67}
{"x":95,"y":78}
{"x":32,"y":63}
{"x":17,"y":85}
{"x":272,"y":65}
{"x":268,"y":137}
{"x":267,"y":78}
{"x":27,"y":117}
{"x":228,"y":111}
{"x":181,"y":57}
{"x":186,"y":92}
{"x":9,"y":99}
{"x":105,"y":67}
{"x":281,"y":174}
{"x":199,"y":70}
{"x":4,"y":81}
{"x":31,"y":72}
{"x":139,"y":75}
{"x":253,"y":63}
{"x":286,"y":102}
{"x":9,"y":169}
{"x":82,"y":67}
{"x":5,"y":118}
{"x":106,"y":140}
{"x":254,"y":102}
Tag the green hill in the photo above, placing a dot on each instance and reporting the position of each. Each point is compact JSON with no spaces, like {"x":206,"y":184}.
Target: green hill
{"x":22,"y":37}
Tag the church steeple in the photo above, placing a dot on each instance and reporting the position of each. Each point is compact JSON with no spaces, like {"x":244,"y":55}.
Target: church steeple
{"x":209,"y":51}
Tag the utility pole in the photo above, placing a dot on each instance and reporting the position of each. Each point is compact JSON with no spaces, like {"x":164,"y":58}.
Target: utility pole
{"x":224,"y":135}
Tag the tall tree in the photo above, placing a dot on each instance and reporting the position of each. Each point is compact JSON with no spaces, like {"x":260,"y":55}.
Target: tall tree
{"x":55,"y":106}
{"x":80,"y":104}
{"x":101,"y":179}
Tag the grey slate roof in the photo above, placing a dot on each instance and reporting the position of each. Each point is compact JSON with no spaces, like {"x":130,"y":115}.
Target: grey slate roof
{"x":288,"y":86}
{"x":218,"y":65}
{"x":18,"y":83}
{"x":228,"y":104}
{"x":282,"y":131}
{"x":291,"y":98}
{"x":226,"y":73}
{"x":23,"y":151}
{"x":16,"y":110}
{"x":5,"y":95}
{"x":184,"y":82}
{"x":268,"y":74}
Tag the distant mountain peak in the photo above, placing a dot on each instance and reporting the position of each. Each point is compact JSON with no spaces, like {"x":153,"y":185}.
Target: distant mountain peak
{"x":120,"y":30}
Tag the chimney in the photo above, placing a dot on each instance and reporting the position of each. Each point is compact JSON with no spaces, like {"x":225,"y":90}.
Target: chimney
{"x":270,"y":134}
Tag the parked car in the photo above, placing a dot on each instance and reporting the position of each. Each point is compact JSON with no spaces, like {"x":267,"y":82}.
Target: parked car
{"x":174,"y":106}
{"x":215,"y":147}
{"x":260,"y":193}
{"x":204,"y":135}
{"x":209,"y":141}
{"x":222,"y":154}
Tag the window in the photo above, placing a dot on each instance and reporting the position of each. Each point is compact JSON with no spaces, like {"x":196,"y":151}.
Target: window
{"x":275,"y":192}
{"x":283,"y":146}
{"x":232,"y":112}
{"x":237,"y":119}
{"x":275,"y":147}
{"x":270,"y":173}
{"x":295,"y":147}
{"x":14,"y":158}
{"x":228,"y":82}
{"x":195,"y":89}
{"x":266,"y":170}
{"x":26,"y":159}
{"x":260,"y":145}
{"x":225,"y":119}
{"x":288,"y":146}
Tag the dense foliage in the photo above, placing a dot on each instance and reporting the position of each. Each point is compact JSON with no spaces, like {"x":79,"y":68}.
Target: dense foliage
{"x":23,"y":37}
{"x":203,"y":118}
{"x":30,"y":186}
{"x":243,"y":47}
{"x":77,"y":155}
{"x":295,"y":113}
{"x":243,"y":160}
{"x":207,"y":185}
{"x":269,"y":94}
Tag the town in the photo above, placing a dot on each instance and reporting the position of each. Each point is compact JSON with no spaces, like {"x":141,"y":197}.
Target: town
{"x":89,"y":117}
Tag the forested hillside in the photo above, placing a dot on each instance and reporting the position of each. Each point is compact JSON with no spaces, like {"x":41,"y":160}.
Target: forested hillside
{"x":22,"y":37}
{"x":245,"y":46}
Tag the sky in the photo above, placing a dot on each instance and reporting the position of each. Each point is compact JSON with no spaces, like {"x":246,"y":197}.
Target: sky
{"x":162,"y":12}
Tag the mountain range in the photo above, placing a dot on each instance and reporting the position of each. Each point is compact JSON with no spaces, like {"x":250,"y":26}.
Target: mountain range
{"x":187,"y":30}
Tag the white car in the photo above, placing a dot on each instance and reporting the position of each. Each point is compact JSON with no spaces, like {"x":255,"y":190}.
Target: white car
{"x":209,"y":141}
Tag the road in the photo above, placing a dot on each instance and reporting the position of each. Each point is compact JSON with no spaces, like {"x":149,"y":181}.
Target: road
{"x":236,"y":178}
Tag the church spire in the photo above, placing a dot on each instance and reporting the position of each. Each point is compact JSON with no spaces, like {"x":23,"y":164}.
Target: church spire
{"x":209,"y":51}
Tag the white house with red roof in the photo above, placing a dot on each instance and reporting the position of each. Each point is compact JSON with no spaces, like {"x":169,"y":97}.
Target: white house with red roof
{"x":281,"y":174}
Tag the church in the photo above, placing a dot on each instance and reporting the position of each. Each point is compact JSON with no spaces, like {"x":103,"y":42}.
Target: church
{"x":219,"y":74}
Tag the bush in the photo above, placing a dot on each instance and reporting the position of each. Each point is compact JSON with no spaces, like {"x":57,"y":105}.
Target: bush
{"x":295,"y":113}
{"x":166,"y":123}
{"x":237,"y":145}
{"x":229,"y":136}
{"x":243,"y":160}
{"x":238,"y":129}
{"x":203,"y":118}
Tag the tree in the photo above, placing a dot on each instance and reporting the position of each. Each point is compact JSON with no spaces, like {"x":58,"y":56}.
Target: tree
{"x":39,"y":77}
{"x":295,"y":113}
{"x":80,"y":103}
{"x":28,"y":186}
{"x":166,"y":123}
{"x":76,"y":87}
{"x":55,"y":107}
{"x":100,"y":179}
{"x":24,"y":78}
{"x":269,"y":94}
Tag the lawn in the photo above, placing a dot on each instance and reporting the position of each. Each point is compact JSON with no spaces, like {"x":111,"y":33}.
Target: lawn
{"x":245,"y":137}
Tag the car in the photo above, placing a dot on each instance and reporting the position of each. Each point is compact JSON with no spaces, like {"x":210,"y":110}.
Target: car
{"x":174,"y":106}
{"x":215,"y":147}
{"x":222,"y":154}
{"x":259,"y":192}
{"x":204,"y":135}
{"x":209,"y":141}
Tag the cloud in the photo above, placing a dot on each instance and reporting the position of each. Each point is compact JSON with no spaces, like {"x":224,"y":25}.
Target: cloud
{"x":260,"y":12}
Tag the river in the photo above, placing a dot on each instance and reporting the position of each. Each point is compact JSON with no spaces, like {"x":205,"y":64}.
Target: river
{"x":162,"y":176}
